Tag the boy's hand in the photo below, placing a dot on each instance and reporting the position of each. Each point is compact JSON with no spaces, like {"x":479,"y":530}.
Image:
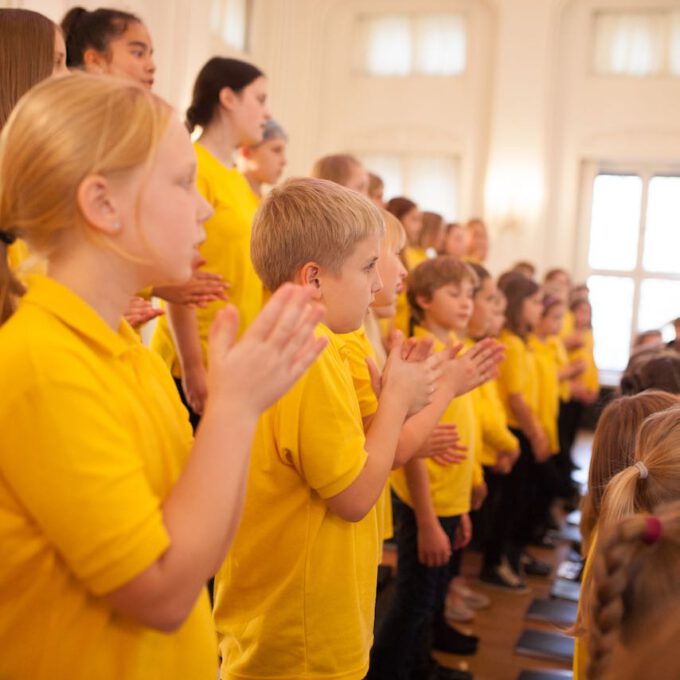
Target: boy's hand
{"x":443,"y":446}
{"x":412,"y":381}
{"x":434,"y":546}
{"x":478,"y":495}
{"x":271,"y":355}
{"x":465,"y":373}
{"x":140,"y":311}
{"x":463,"y":533}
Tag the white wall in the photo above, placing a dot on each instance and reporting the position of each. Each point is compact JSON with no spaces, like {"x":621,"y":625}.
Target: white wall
{"x":526,"y":120}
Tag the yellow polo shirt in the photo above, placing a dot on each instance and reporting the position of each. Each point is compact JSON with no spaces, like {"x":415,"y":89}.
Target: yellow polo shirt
{"x":496,"y":437}
{"x":517,"y":374}
{"x":450,"y":485}
{"x":357,"y":347}
{"x":93,"y":438}
{"x":295,"y":597}
{"x":226,"y":250}
{"x":589,"y":378}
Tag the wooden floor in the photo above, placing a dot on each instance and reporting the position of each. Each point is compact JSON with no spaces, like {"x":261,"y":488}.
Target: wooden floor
{"x":500,"y":626}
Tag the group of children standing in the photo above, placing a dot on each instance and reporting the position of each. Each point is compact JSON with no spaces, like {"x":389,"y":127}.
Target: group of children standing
{"x":388,"y":385}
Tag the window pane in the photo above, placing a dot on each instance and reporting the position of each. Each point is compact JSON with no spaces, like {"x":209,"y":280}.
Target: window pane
{"x":612,"y":300}
{"x":389,"y":168}
{"x":234,"y":23}
{"x":674,"y":57}
{"x":662,"y":229}
{"x":432,"y":182}
{"x":659,"y":304}
{"x":385,"y":45}
{"x":615,"y":222}
{"x":440,"y":44}
{"x":631,"y":43}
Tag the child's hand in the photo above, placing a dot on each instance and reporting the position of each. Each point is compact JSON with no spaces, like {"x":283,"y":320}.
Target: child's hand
{"x":540,"y":445}
{"x":434,"y":546}
{"x":412,"y":381}
{"x":417,"y":349}
{"x":198,"y":291}
{"x":576,"y":368}
{"x":505,"y":462}
{"x":140,"y":311}
{"x":476,"y":366}
{"x":463,"y":532}
{"x":195,"y":386}
{"x":270,"y":356}
{"x":443,"y":446}
{"x":478,"y":495}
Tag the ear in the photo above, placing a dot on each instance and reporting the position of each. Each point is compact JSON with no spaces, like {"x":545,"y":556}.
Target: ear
{"x":246,"y":152}
{"x":227,"y":98}
{"x":310,"y":275}
{"x":423,"y":301}
{"x":96,"y":205}
{"x":95,"y":62}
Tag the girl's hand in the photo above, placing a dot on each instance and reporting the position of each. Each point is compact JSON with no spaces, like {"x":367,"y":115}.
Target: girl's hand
{"x":140,"y":311}
{"x":271,"y":355}
{"x":443,"y":446}
{"x":434,"y":546}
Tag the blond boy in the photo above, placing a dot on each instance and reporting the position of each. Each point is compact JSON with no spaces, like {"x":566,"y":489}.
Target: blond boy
{"x":295,"y":597}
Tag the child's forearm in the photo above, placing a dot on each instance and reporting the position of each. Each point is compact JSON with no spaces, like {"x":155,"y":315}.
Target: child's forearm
{"x":361,"y":495}
{"x":419,"y":427}
{"x":184,"y":328}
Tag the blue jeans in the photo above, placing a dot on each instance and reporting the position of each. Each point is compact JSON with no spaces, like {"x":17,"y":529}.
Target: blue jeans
{"x":403,"y":641}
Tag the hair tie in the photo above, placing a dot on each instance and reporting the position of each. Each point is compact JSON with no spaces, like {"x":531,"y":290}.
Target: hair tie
{"x":652,"y":531}
{"x":644,"y":471}
{"x":7,"y":237}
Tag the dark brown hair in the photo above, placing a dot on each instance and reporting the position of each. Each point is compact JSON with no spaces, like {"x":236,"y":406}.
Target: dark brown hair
{"x":399,"y":206}
{"x":216,"y":74}
{"x":652,"y":368}
{"x":517,"y":288}
{"x":85,"y":30}
{"x":431,"y":275}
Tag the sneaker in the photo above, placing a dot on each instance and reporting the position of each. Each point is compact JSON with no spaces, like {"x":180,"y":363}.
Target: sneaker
{"x":503,"y":577}
{"x":471,"y":598}
{"x":457,"y":610}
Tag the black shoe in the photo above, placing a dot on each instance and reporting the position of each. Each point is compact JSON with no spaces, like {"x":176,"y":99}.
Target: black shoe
{"x":534,"y":567}
{"x":447,"y":639}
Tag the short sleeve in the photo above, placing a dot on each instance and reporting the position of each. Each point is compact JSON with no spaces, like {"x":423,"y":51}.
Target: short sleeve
{"x":330,"y":449}
{"x":361,"y":377}
{"x":74,"y":467}
{"x":510,"y":369}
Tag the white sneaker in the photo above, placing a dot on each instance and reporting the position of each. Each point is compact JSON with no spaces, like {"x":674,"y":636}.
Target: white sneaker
{"x":458,"y":611}
{"x":472,"y":598}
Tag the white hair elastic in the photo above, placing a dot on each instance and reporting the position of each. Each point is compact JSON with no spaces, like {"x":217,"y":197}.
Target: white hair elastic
{"x":644,"y":472}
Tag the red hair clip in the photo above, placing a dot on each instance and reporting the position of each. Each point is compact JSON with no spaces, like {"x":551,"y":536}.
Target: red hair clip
{"x":652,"y":530}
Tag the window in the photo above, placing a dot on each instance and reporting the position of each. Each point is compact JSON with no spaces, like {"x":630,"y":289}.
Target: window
{"x":404,"y":44}
{"x":229,"y":21}
{"x":637,"y":43}
{"x":634,"y":258}
{"x":430,"y":180}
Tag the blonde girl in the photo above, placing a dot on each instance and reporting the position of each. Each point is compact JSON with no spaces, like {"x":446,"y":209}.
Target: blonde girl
{"x":635,"y":593}
{"x":653,"y":477}
{"x":111,"y":517}
{"x":229,"y":104}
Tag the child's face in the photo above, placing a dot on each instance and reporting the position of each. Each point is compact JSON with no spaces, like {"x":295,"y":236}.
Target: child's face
{"x":358,"y":179}
{"x":413,"y":223}
{"x":377,"y":196}
{"x":131,"y":55}
{"x":498,"y":316}
{"x":347,"y":295}
{"x":551,"y":321}
{"x":267,"y":160}
{"x":166,"y":233}
{"x":478,"y":241}
{"x":485,"y":303}
{"x":450,"y":307}
{"x":582,"y":316}
{"x":392,"y":273}
{"x":249,"y":112}
{"x":532,"y":310}
{"x":454,"y":243}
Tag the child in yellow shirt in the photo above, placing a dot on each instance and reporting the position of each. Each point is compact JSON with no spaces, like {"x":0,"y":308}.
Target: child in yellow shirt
{"x":431,"y":501}
{"x":111,"y":515}
{"x":307,"y":610}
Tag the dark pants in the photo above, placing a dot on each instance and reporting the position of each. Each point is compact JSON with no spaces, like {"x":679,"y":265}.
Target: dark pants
{"x":404,"y":639}
{"x":194,"y":418}
{"x":571,"y":413}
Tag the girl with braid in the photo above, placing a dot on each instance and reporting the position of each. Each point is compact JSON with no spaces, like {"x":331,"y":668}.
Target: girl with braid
{"x":635,"y":573}
{"x":653,"y":478}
